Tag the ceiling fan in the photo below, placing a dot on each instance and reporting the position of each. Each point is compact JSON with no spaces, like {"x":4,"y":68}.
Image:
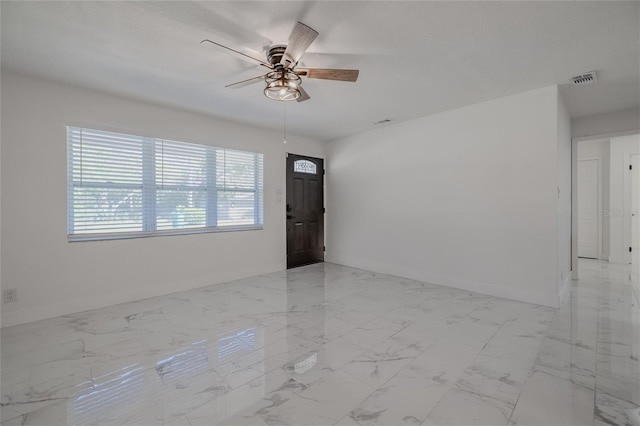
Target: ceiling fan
{"x":284,"y":79}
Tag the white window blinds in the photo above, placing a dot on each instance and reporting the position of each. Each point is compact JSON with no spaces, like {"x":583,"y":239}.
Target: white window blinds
{"x":181,"y":185}
{"x":122,"y":186}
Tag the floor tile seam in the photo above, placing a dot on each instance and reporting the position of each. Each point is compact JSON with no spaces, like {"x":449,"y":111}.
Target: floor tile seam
{"x":21,"y":416}
{"x":519,"y":388}
{"x":432,"y":344}
{"x":533,"y":357}
{"x":566,"y":380}
{"x":597,"y":351}
{"x":634,"y":290}
{"x":279,"y":409}
{"x":342,"y":418}
{"x":360,"y":326}
{"x":516,"y":403}
{"x":532,"y":369}
{"x":62,"y":387}
{"x":398,"y":331}
{"x":550,"y":371}
{"x":478,"y":353}
{"x":452,"y":386}
{"x":435,"y":407}
{"x":491,"y":338}
{"x":383,"y":384}
{"x":225,"y":377}
{"x":369,"y":347}
{"x":376,"y":388}
{"x":600,"y":391}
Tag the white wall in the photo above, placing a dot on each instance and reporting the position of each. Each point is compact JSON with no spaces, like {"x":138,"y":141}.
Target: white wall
{"x":599,"y":149}
{"x":563,"y":166}
{"x":627,"y":120}
{"x":620,"y":197}
{"x":54,"y":277}
{"x":466,"y":198}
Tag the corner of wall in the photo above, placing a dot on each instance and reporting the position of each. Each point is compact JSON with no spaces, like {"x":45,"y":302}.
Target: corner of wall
{"x":563,"y":294}
{"x":564,"y":200}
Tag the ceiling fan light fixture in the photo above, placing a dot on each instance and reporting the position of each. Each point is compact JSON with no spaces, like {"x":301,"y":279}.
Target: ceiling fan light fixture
{"x":282,"y":85}
{"x":283,"y":82}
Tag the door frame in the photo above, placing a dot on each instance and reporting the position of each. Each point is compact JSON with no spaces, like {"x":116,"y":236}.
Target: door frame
{"x":628,"y":204}
{"x":599,"y":203}
{"x":286,"y":198}
{"x":574,"y":192}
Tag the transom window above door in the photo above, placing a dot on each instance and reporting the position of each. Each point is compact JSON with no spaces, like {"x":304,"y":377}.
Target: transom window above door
{"x":305,"y":166}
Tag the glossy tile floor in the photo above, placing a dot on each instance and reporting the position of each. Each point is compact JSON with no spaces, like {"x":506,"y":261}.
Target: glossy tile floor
{"x":327,"y":344}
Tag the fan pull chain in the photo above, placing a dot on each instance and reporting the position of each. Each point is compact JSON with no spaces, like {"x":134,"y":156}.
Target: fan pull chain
{"x":284,"y":125}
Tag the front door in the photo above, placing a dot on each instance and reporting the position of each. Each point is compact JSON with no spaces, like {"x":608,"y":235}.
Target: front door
{"x":305,"y":210}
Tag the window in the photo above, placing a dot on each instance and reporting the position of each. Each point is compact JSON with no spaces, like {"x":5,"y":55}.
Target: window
{"x":123,"y":186}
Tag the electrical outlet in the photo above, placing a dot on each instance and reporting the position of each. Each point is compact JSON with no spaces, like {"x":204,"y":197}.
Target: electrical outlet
{"x":10,"y":295}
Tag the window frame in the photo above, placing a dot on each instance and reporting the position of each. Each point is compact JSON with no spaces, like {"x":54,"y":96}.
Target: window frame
{"x":150,"y":189}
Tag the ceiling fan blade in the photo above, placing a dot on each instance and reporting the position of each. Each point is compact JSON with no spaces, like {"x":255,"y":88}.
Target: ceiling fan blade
{"x":239,"y":53}
{"x":303,"y":95}
{"x":246,"y":82}
{"x":300,"y":40}
{"x":328,"y":74}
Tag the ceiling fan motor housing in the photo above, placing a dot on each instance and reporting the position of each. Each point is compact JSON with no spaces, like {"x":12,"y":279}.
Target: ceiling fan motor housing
{"x":275,"y":53}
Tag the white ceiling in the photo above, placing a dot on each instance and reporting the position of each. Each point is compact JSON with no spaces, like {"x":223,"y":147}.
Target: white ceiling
{"x":415,"y":58}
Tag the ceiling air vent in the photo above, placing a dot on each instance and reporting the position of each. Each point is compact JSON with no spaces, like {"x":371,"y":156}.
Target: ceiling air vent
{"x":584,"y":79}
{"x":385,"y":121}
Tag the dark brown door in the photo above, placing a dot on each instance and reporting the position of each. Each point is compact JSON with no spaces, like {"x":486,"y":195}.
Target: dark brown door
{"x":305,"y":210}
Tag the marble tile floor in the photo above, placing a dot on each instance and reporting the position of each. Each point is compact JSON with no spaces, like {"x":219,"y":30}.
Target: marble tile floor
{"x":332,"y":345}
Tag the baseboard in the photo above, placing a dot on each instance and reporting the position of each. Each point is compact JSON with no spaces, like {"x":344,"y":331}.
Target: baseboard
{"x":38,"y":313}
{"x":550,"y":300}
{"x":618,"y":260}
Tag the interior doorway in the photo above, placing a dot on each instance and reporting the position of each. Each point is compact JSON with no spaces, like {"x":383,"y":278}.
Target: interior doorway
{"x":588,"y":208}
{"x":635,"y":209}
{"x":619,"y":155}
{"x":305,"y":210}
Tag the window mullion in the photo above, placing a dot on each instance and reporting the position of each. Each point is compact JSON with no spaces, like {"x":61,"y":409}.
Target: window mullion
{"x":70,"y":183}
{"x":149,"y":185}
{"x":256,"y":195}
{"x":212,"y":190}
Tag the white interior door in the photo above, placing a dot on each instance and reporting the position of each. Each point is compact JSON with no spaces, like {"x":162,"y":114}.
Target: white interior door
{"x":588,"y":176}
{"x":635,"y":209}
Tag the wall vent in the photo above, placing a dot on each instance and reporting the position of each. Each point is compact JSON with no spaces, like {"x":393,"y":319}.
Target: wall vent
{"x":385,"y":121}
{"x":584,"y":79}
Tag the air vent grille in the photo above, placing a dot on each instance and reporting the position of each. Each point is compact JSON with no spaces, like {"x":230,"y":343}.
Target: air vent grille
{"x":385,"y":121}
{"x":584,"y":79}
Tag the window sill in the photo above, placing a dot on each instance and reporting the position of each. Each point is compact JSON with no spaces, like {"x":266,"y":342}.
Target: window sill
{"x":76,"y":238}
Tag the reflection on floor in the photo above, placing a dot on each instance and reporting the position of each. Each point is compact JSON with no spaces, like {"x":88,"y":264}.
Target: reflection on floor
{"x":327,"y":344}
